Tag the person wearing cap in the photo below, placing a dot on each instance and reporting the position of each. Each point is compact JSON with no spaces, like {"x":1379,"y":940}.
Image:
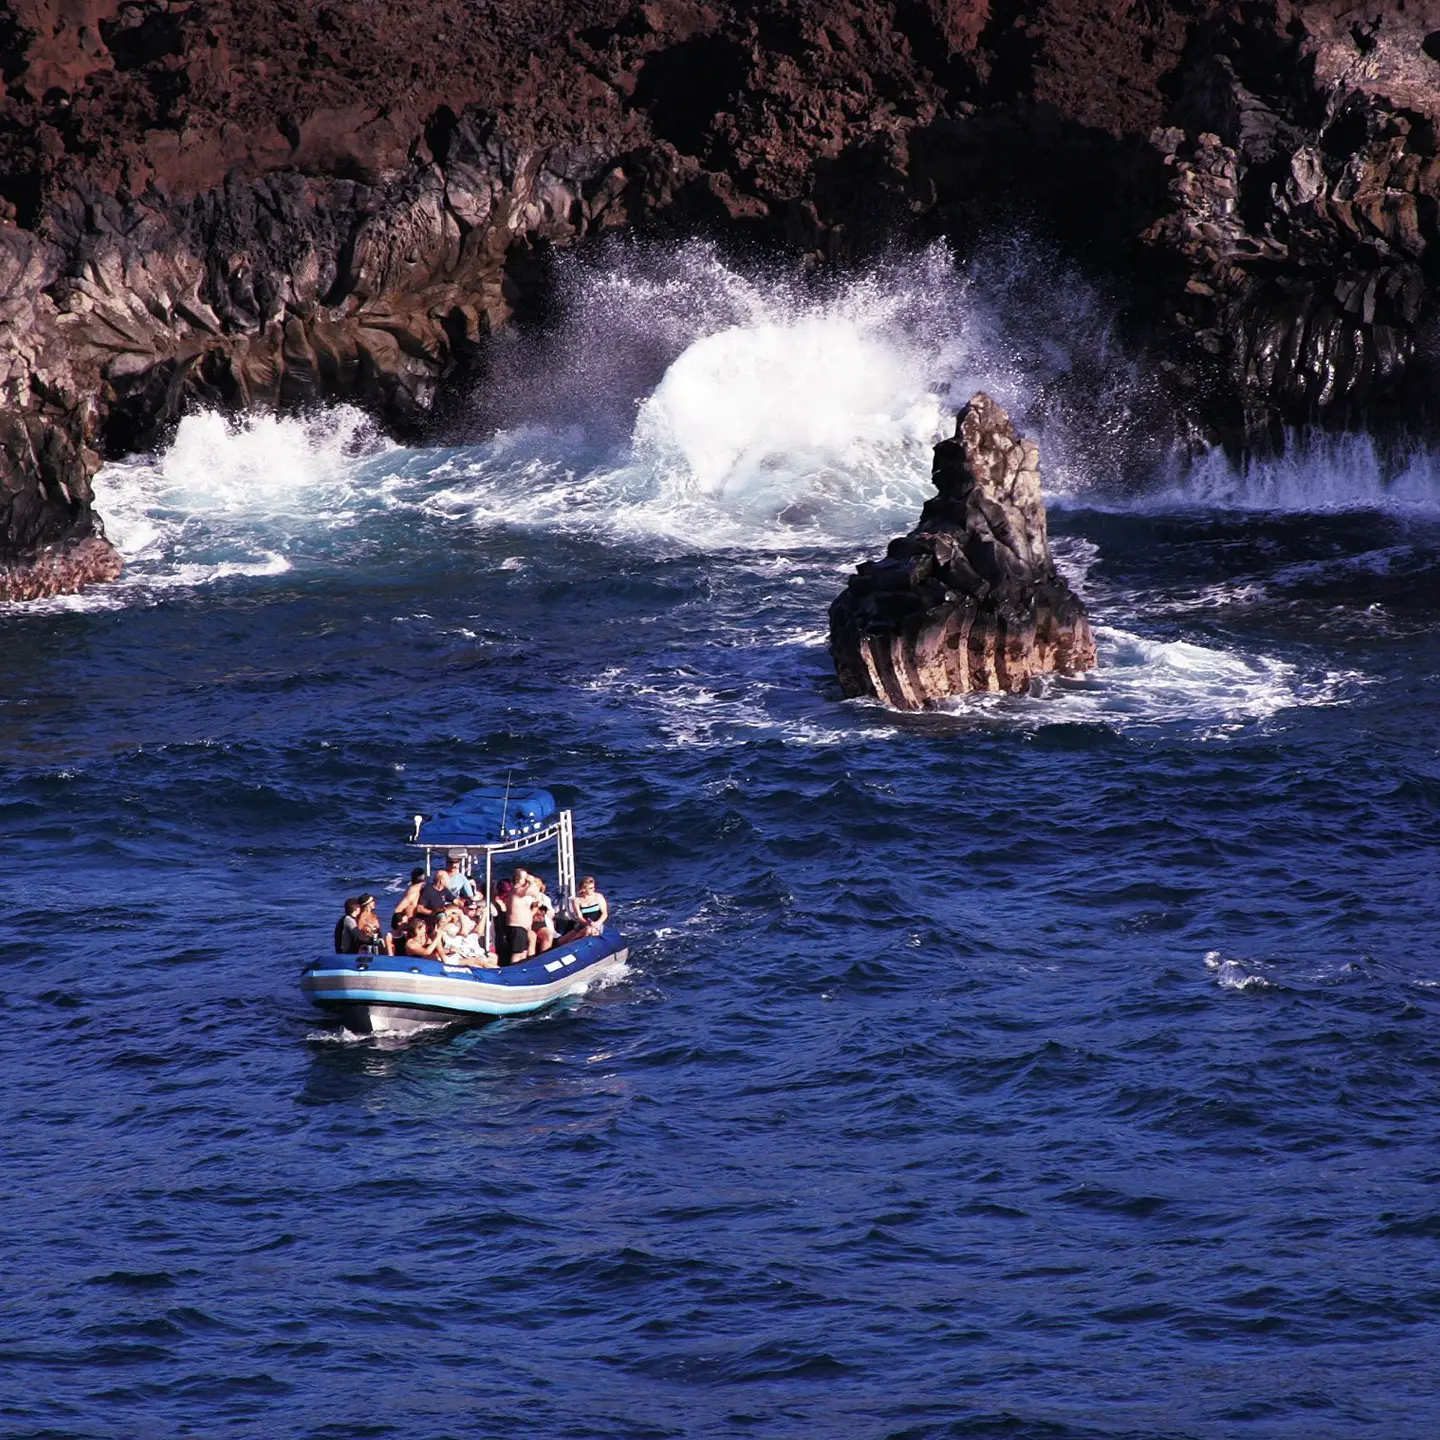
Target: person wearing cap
{"x":453,"y":880}
{"x":367,"y":921}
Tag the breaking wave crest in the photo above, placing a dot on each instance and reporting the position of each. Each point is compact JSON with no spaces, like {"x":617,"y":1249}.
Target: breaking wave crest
{"x":678,"y":398}
{"x":683,"y":407}
{"x":234,"y":497}
{"x":681,"y":400}
{"x":1312,"y":473}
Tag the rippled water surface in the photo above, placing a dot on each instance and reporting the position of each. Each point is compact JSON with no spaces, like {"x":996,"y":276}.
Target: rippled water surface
{"x":1062,"y":1066}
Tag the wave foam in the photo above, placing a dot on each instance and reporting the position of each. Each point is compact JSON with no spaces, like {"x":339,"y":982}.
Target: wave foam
{"x":1142,"y":683}
{"x":760,"y":414}
{"x":230,"y":496}
{"x":1315,"y":472}
{"x":678,"y":400}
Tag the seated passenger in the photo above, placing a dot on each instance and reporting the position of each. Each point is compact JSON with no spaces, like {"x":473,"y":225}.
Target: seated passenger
{"x":458,"y":943}
{"x":372,"y":940}
{"x":591,"y":906}
{"x":543,"y":902}
{"x":578,"y":930}
{"x":347,"y":929}
{"x":433,"y":898}
{"x":423,"y":944}
{"x":543,"y":931}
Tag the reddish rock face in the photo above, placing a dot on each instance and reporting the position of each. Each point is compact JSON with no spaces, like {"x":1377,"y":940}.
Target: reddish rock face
{"x":970,"y":599}
{"x":61,"y":571}
{"x":269,"y":204}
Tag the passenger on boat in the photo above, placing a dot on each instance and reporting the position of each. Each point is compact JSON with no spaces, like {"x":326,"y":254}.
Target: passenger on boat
{"x":453,"y":880}
{"x":372,"y":940}
{"x":347,"y":929}
{"x":471,"y":922}
{"x":543,"y":902}
{"x":519,"y":917}
{"x":542,"y":929}
{"x":499,"y":909}
{"x":459,"y":943}
{"x":424,"y":943}
{"x":433,"y":897}
{"x":405,"y":910}
{"x":591,"y":906}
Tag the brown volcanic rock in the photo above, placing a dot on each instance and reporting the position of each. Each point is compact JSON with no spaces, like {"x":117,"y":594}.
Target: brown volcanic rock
{"x":61,"y":571}
{"x":281,"y":202}
{"x":970,"y":599}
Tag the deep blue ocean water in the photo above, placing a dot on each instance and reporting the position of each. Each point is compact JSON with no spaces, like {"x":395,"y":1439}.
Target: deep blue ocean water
{"x":1063,"y":1066}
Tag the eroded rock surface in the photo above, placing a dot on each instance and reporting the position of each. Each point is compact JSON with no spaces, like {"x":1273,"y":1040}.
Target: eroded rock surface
{"x":970,"y":599}
{"x":270,"y":204}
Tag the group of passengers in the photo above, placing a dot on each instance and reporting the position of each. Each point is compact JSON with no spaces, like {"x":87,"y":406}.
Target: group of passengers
{"x":442,"y":917}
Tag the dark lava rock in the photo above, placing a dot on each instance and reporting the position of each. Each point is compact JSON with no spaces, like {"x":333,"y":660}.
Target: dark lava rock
{"x":271,"y":205}
{"x":970,"y":598}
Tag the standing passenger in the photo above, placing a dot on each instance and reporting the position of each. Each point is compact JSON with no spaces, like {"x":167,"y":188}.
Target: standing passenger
{"x":405,"y":910}
{"x":454,"y":881}
{"x":520,"y":916}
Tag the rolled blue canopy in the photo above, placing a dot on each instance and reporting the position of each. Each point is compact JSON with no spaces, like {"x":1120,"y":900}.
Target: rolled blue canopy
{"x":487,"y":816}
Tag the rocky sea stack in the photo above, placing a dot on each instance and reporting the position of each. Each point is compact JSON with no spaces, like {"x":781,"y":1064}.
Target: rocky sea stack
{"x":970,"y":599}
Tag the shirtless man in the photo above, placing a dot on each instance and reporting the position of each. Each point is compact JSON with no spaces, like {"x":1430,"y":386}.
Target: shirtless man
{"x":405,"y":910}
{"x":520,"y":916}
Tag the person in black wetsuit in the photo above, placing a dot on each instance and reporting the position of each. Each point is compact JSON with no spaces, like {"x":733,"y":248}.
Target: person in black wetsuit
{"x":347,"y":929}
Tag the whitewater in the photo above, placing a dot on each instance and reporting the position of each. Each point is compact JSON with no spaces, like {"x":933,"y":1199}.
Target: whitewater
{"x":1056,"y":1065}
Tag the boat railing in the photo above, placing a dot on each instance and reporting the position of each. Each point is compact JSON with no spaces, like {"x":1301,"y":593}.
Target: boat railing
{"x":561,"y":830}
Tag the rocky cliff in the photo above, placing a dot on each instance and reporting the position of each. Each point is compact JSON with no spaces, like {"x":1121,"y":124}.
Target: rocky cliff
{"x":281,"y":202}
{"x":970,"y":599}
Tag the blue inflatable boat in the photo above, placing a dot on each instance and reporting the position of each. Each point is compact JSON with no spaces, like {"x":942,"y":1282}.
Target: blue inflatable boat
{"x":376,"y":992}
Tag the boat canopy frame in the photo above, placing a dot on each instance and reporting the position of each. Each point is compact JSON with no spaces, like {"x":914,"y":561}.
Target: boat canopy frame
{"x":561,"y":830}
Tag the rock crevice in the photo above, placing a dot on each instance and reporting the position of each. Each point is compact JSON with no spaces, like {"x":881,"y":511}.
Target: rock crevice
{"x":970,"y":599}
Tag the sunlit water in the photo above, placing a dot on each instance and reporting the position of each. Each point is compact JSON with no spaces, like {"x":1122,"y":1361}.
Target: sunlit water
{"x":1062,"y":1066}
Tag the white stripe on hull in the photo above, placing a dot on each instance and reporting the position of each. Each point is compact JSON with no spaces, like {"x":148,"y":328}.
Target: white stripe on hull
{"x":455,"y":997}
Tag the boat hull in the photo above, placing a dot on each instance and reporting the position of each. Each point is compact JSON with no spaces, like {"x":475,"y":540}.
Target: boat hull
{"x":374,"y":993}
